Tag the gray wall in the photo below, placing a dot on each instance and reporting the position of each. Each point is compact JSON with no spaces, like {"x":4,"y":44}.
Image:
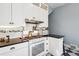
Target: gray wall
{"x":65,"y":21}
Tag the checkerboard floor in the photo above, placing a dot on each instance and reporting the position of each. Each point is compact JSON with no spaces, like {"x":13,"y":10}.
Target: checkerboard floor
{"x":71,"y":53}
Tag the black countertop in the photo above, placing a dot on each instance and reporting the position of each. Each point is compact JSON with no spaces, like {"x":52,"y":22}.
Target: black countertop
{"x":54,"y":35}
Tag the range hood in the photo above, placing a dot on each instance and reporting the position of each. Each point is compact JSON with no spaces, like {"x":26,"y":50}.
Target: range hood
{"x":33,"y":22}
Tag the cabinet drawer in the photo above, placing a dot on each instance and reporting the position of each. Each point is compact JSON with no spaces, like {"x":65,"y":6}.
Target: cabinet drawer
{"x":13,"y":47}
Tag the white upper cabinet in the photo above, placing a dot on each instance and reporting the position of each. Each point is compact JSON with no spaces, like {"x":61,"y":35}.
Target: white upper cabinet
{"x":5,"y":13}
{"x":18,"y":13}
{"x":40,"y":14}
{"x":41,"y":5}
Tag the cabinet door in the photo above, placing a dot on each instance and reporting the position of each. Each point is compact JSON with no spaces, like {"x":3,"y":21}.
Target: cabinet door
{"x":55,"y":46}
{"x":41,"y":15}
{"x":18,"y":13}
{"x":21,"y":52}
{"x":5,"y":13}
{"x":51,"y":45}
{"x":20,"y":49}
{"x":15,"y":50}
{"x":18,"y":52}
{"x":6,"y":54}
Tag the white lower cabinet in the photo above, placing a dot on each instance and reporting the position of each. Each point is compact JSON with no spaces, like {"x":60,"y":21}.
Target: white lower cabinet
{"x":21,"y":52}
{"x":6,"y":54}
{"x":55,"y":46}
{"x":20,"y":49}
{"x":37,"y":47}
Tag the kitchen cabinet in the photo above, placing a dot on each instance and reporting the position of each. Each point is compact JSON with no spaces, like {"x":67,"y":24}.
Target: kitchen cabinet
{"x":41,"y":5}
{"x":55,"y":46}
{"x":20,"y":11}
{"x":41,"y":15}
{"x":15,"y":50}
{"x":16,"y":10}
{"x":5,"y":13}
{"x":18,"y":14}
{"x":21,"y":52}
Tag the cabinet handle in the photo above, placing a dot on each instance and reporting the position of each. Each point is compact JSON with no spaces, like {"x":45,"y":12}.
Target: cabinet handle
{"x":12,"y":48}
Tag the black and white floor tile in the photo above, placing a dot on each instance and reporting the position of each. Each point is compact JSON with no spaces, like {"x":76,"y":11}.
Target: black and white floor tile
{"x":71,"y":53}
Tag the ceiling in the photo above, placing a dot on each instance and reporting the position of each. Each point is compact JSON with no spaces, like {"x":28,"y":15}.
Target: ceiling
{"x":52,"y":6}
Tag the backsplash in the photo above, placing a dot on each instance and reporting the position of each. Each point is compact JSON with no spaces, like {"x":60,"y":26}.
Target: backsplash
{"x":12,"y":31}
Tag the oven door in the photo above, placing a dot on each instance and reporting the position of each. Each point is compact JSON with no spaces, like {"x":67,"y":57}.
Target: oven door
{"x":37,"y":48}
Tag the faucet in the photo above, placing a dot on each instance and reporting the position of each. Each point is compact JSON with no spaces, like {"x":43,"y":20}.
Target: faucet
{"x":30,"y":34}
{"x":8,"y":38}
